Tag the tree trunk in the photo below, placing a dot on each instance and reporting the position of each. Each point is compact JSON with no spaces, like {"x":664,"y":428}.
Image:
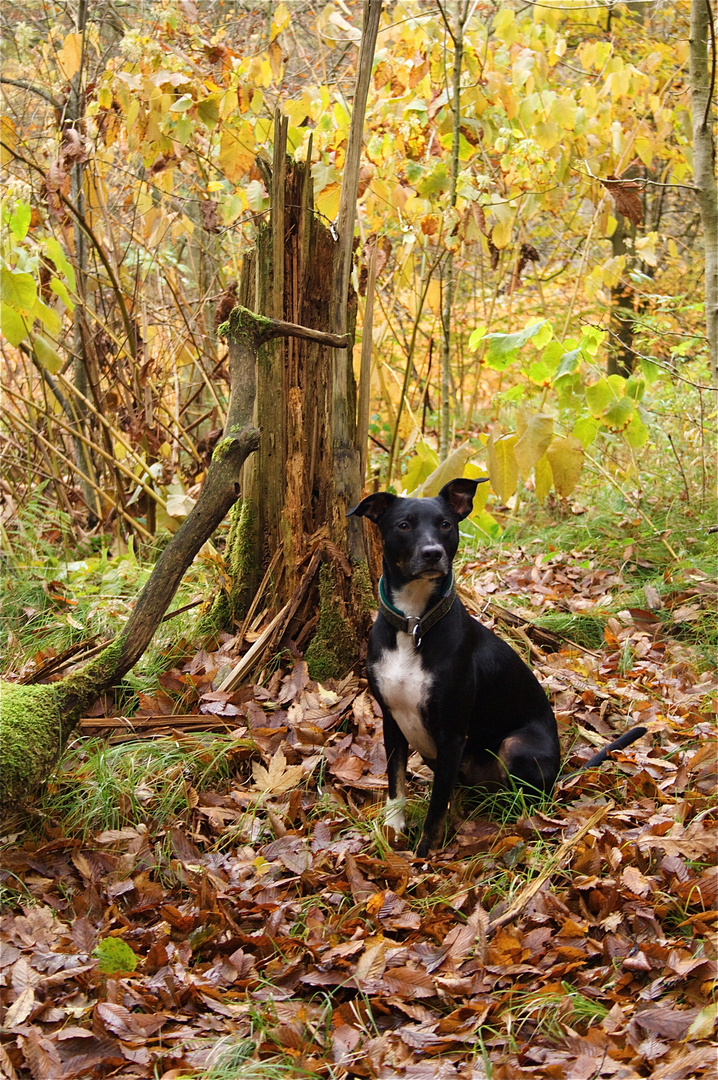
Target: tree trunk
{"x":298,"y":489}
{"x":621,"y":357}
{"x":74,"y":119}
{"x":702,"y":79}
{"x":457,"y":37}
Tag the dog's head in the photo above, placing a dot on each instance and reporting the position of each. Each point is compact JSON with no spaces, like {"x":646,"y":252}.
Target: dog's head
{"x":420,"y":536}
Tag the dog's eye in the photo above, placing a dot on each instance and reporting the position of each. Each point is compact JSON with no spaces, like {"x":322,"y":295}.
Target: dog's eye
{"x":404,"y":526}
{"x":445,"y":525}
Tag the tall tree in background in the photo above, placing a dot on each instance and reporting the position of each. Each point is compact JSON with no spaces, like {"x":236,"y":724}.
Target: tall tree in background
{"x":703,"y":81}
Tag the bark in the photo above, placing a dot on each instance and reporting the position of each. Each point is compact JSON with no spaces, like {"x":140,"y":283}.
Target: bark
{"x":346,"y":474}
{"x":463,"y":11}
{"x":702,"y":80}
{"x":365,"y":371}
{"x":74,"y":118}
{"x":621,"y":357}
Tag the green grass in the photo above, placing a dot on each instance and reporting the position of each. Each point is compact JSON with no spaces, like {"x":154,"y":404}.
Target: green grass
{"x":58,"y":594}
{"x":98,"y":787}
{"x":548,"y":1013}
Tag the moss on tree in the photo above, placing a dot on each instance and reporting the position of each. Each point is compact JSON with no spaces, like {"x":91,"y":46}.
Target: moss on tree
{"x":244,"y":323}
{"x":35,"y":722}
{"x":231,"y":606}
{"x":335,"y":647}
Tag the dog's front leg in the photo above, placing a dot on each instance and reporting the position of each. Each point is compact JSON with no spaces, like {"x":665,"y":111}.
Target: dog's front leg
{"x":446,"y":773}
{"x":397,"y":753}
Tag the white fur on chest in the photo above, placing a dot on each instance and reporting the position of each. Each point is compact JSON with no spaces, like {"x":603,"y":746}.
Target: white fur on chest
{"x":404,"y":685}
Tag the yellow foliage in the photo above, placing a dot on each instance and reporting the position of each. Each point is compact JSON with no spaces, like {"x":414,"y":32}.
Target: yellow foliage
{"x":69,"y":55}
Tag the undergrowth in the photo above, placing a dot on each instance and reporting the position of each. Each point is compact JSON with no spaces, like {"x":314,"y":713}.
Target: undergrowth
{"x":148,"y":781}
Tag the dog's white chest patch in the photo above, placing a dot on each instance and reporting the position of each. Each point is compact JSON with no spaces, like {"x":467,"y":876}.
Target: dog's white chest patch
{"x":404,"y":685}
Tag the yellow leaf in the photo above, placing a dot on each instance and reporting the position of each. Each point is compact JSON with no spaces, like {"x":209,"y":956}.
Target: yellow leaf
{"x":566,"y":460}
{"x":501,"y":233}
{"x":563,"y":111}
{"x":327,"y":202}
{"x":702,"y":1026}
{"x":9,"y":137}
{"x":533,"y":442}
{"x":546,"y":134}
{"x":543,"y":478}
{"x":69,"y":56}
{"x":646,"y":247}
{"x":433,"y":296}
{"x":46,"y":354}
{"x":279,"y":777}
{"x":236,"y":154}
{"x":505,"y":27}
{"x":280,"y":21}
{"x":619,"y":83}
{"x":450,"y":469}
{"x":275,"y":59}
{"x":503,"y":468}
{"x":612,"y":270}
{"x":644,"y":149}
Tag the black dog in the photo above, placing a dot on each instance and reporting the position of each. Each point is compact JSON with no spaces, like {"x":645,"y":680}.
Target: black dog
{"x":447,"y":686}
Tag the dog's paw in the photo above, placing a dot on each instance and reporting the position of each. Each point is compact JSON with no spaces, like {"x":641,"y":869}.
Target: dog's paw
{"x":423,"y":848}
{"x":394,"y":815}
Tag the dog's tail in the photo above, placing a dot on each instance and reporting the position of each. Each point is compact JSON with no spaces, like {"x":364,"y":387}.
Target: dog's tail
{"x":620,"y":743}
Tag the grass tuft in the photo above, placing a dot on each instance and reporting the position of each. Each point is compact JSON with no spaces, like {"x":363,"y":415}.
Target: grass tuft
{"x":100,"y":787}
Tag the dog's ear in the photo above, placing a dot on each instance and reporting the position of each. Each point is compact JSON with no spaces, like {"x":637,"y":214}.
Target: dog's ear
{"x":460,"y":495}
{"x":373,"y":506}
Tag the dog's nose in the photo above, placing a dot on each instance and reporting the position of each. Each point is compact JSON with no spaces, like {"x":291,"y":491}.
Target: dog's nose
{"x":432,"y":553}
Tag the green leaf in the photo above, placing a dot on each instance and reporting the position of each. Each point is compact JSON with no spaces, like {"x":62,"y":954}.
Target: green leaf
{"x":18,"y":290}
{"x":569,"y":363}
{"x":503,"y":347}
{"x":20,"y":219}
{"x":619,"y":413}
{"x":12,"y":323}
{"x":183,"y":130}
{"x":503,"y":467}
{"x":481,"y":524}
{"x":651,"y":371}
{"x":47,"y":355}
{"x":635,"y":388}
{"x":476,"y":336}
{"x":586,"y":429}
{"x":544,"y":335}
{"x":48,"y":317}
{"x":115,"y":955}
{"x":208,"y":110}
{"x":182,"y":104}
{"x":566,"y":460}
{"x":59,"y":288}
{"x":54,"y":250}
{"x":591,"y":339}
{"x":422,"y":464}
{"x":541,"y":372}
{"x":636,"y":434}
{"x":434,"y":183}
{"x":255,"y":196}
{"x":598,"y":397}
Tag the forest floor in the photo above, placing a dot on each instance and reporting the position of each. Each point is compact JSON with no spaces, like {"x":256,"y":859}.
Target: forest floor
{"x":211,"y":894}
